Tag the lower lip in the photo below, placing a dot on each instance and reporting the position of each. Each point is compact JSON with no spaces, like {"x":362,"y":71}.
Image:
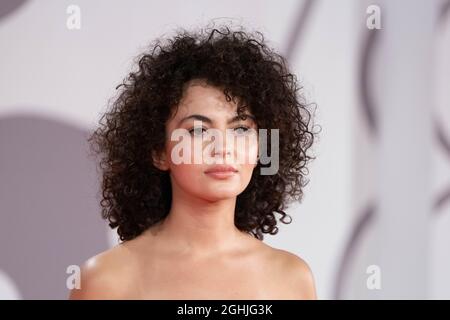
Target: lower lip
{"x":221,"y":175}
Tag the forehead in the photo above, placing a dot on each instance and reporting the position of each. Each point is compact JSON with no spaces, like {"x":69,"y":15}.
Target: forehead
{"x":198,"y":97}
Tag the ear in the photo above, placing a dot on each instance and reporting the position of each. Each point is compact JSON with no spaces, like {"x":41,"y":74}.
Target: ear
{"x":160,"y":161}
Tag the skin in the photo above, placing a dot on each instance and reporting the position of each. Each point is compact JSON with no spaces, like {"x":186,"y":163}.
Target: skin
{"x":197,"y":252}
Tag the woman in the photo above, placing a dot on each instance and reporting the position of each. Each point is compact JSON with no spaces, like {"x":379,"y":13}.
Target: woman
{"x":194,"y":230}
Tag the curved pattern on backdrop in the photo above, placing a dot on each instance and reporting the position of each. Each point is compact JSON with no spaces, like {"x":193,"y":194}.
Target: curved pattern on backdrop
{"x":367,"y":108}
{"x":47,"y":204}
{"x":443,"y":198}
{"x":296,"y":35}
{"x":9,"y":6}
{"x":358,"y":231}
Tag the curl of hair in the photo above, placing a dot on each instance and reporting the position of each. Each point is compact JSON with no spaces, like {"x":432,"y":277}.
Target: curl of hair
{"x":134,"y":193}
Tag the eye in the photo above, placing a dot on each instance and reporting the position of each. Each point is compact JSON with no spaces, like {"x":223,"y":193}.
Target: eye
{"x":198,"y":131}
{"x":242,"y":129}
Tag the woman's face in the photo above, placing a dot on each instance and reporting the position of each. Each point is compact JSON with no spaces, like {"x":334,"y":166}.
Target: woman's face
{"x":216,"y":138}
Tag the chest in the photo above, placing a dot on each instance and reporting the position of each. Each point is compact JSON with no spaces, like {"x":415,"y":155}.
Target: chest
{"x":212,"y":280}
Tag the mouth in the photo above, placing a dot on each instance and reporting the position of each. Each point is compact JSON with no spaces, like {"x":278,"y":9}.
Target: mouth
{"x":221,"y":171}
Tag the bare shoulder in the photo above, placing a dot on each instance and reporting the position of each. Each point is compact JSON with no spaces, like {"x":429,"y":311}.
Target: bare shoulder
{"x":297,"y":273}
{"x":107,"y":275}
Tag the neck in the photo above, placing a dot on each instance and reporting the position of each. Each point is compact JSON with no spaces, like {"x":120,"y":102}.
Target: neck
{"x":197,"y":225}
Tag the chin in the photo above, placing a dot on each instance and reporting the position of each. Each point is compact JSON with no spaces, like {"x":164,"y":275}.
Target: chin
{"x":217,"y":195}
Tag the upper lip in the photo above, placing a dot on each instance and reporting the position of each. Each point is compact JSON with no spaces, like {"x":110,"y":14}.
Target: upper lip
{"x":221,"y":168}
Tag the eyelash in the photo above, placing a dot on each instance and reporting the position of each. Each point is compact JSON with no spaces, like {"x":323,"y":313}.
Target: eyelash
{"x":244,"y":127}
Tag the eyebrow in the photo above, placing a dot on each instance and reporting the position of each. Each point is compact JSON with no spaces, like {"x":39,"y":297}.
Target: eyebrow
{"x":208,"y":120}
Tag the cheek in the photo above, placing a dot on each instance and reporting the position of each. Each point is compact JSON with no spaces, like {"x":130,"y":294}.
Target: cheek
{"x":186,"y":172}
{"x":188,"y":177}
{"x":247,"y":151}
{"x":187,"y":150}
{"x":247,"y":154}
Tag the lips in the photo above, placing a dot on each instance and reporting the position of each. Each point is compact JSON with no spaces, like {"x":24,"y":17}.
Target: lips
{"x":221,"y":172}
{"x":221,"y":168}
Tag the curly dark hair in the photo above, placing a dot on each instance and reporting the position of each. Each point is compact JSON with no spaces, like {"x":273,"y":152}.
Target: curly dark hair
{"x":136,"y":194}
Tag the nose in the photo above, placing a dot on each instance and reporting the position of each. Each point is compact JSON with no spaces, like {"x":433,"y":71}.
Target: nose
{"x":221,"y":150}
{"x":222,"y":153}
{"x":223,"y":147}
